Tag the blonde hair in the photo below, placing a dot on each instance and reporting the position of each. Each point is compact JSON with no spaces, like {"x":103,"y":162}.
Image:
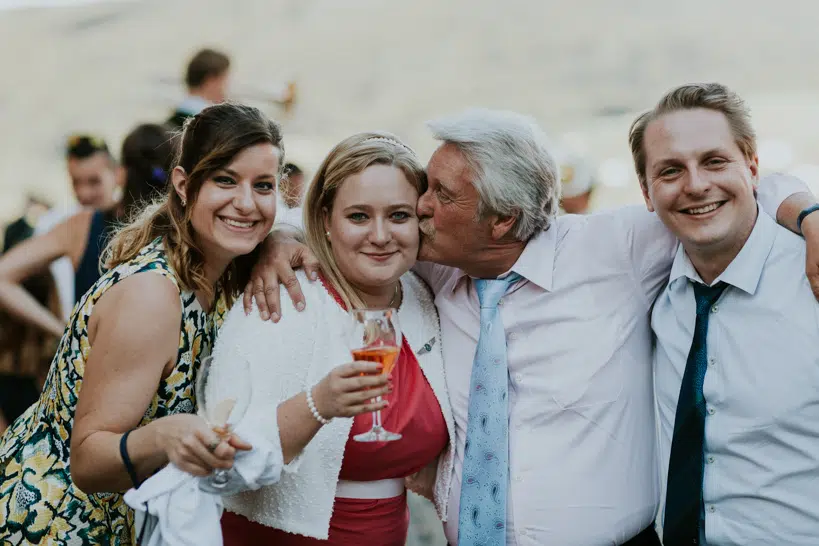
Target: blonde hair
{"x":209,"y":141}
{"x":351,"y":156}
{"x":710,"y":96}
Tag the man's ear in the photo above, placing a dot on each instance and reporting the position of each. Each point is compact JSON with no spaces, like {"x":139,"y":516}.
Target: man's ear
{"x":502,"y":225}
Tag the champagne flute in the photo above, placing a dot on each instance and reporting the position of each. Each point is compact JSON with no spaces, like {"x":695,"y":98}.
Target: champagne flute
{"x":222,"y":397}
{"x":376,"y":337}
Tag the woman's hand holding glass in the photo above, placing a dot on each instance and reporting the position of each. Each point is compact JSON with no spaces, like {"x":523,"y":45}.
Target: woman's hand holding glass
{"x":351,"y":389}
{"x":187,"y":440}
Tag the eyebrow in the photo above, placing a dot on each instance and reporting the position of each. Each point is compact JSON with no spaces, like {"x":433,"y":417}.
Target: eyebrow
{"x":391,"y":207}
{"x":234,"y":174}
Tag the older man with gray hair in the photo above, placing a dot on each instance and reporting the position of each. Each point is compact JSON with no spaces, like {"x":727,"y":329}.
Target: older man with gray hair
{"x":546,"y":339}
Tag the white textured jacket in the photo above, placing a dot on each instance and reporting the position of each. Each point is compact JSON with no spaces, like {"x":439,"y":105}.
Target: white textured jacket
{"x":286,"y":358}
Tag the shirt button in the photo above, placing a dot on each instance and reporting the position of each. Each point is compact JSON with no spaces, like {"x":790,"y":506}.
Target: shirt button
{"x":710,"y":459}
{"x":513,"y":337}
{"x":711,"y":411}
{"x":712,"y":361}
{"x":518,"y":378}
{"x":518,"y":479}
{"x":500,"y":302}
{"x":712,"y":508}
{"x":715,"y":308}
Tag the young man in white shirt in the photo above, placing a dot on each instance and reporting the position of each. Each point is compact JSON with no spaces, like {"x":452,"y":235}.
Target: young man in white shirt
{"x":737,"y":329}
{"x":207,"y":77}
{"x":577,"y":446}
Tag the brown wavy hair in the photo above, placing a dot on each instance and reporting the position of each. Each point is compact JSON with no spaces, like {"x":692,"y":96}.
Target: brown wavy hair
{"x":351,"y":156}
{"x":209,"y":141}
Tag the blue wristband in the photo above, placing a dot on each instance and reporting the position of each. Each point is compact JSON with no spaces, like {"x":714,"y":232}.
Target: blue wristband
{"x":803,"y":215}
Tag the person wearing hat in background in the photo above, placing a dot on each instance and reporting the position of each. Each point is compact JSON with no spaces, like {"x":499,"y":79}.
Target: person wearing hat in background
{"x":206,"y":77}
{"x":578,"y":180}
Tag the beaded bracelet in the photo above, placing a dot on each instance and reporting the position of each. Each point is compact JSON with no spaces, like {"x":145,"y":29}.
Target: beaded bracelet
{"x":313,"y":410}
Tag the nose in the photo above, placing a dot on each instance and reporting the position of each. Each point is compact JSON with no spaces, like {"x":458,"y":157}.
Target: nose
{"x":423,"y":209}
{"x":243,"y":198}
{"x":380,"y":233}
{"x":697,"y":182}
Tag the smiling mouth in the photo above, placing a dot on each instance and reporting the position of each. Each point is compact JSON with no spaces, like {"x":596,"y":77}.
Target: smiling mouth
{"x":381,"y":256}
{"x":237,"y":223}
{"x":705,"y":209}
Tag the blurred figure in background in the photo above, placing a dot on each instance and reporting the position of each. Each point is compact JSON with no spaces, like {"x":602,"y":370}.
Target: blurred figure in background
{"x":146,"y":156}
{"x":578,"y":180}
{"x":25,"y":351}
{"x":207,"y":79}
{"x":291,"y":194}
{"x":93,"y":173}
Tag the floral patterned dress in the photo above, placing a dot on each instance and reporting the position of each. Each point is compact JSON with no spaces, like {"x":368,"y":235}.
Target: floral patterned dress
{"x":39,"y":504}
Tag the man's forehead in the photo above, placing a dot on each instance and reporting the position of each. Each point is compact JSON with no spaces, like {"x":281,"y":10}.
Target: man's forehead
{"x":448,"y":160}
{"x":687,"y":132}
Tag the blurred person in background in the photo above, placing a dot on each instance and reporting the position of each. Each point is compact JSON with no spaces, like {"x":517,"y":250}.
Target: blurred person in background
{"x":25,"y":351}
{"x":291,"y":194}
{"x":578,"y":181}
{"x":95,"y":185}
{"x":207,"y":79}
{"x":146,"y":156}
{"x":118,"y":402}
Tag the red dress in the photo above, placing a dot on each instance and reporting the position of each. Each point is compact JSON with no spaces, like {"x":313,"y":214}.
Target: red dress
{"x":413,"y":412}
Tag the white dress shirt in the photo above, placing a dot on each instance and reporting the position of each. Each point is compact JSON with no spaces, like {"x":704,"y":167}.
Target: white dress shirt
{"x":761,"y":472}
{"x":286,"y":215}
{"x":582,"y":437}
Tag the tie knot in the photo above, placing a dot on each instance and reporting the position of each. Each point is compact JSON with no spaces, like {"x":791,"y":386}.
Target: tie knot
{"x":490,"y":291}
{"x":706,"y":296}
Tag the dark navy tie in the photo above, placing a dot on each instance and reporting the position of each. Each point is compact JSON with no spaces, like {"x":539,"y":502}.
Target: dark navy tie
{"x":683,"y":506}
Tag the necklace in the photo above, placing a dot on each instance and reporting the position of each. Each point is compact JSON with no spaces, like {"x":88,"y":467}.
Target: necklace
{"x":395,"y":297}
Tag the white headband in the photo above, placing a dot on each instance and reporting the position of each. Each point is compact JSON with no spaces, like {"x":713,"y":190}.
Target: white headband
{"x":393,"y":142}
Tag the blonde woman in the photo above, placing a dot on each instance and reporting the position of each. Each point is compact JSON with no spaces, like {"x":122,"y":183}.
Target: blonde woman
{"x":360,"y":222}
{"x":118,"y":400}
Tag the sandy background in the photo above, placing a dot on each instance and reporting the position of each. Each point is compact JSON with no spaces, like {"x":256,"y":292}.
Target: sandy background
{"x":583,"y":68}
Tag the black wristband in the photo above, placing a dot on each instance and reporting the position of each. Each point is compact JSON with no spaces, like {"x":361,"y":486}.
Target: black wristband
{"x":803,"y":215}
{"x":129,"y":466}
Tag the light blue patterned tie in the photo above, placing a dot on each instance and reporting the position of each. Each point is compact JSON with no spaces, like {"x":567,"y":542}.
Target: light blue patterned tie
{"x":482,"y":514}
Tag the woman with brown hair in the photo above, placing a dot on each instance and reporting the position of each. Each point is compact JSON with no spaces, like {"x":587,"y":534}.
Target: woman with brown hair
{"x":118,"y":400}
{"x":361,"y":224}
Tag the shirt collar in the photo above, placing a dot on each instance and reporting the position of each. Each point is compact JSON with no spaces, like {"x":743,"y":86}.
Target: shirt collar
{"x":192,"y":105}
{"x":536,"y":262}
{"x":745,"y":269}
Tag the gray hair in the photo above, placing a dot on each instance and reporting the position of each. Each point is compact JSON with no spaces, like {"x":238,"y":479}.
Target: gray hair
{"x":514,"y":173}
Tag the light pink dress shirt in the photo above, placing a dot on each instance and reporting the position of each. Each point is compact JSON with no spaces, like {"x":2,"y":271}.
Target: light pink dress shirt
{"x":582,"y":437}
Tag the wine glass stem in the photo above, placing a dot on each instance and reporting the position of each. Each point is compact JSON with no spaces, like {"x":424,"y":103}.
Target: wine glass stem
{"x":220,"y":477}
{"x":377,"y":416}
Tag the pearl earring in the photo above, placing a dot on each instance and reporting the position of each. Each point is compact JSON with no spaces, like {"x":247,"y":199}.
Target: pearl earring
{"x":327,"y":233}
{"x":184,"y":202}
